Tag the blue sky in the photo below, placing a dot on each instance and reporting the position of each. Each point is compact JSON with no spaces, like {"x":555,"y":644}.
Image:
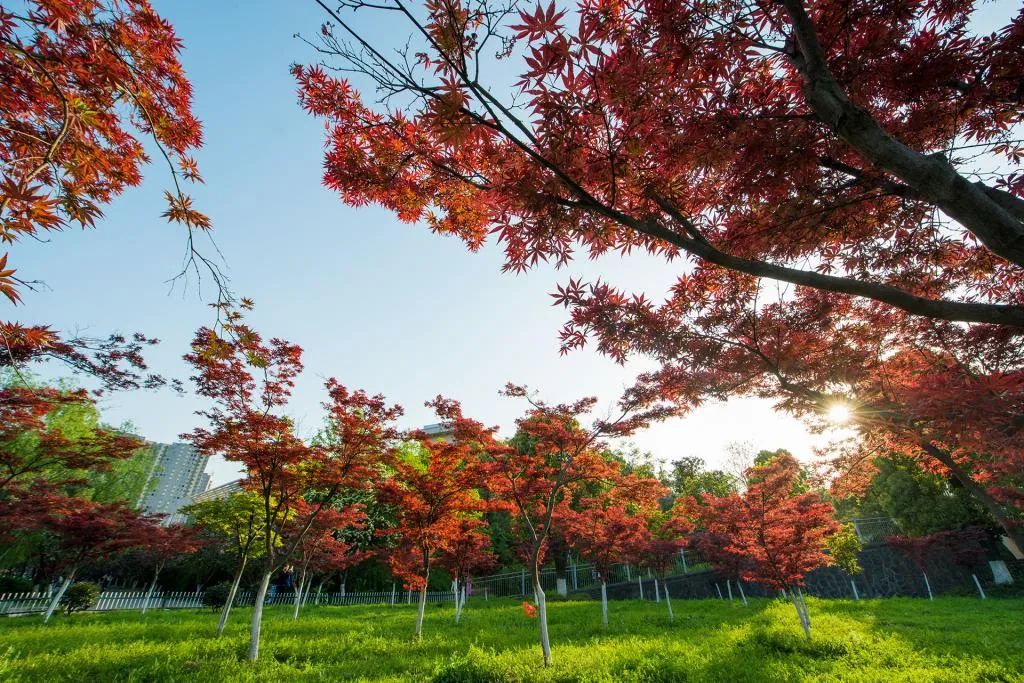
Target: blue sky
{"x":380,"y":305}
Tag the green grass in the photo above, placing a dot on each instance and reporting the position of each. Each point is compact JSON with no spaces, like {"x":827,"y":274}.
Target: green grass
{"x":950,"y":639}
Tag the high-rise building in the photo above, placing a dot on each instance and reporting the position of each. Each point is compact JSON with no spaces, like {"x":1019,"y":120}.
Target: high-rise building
{"x":179,"y":474}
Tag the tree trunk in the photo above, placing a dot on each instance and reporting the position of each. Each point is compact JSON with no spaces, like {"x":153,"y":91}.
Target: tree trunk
{"x":742,"y":594}
{"x":152,"y":589}
{"x":298,"y":596}
{"x":319,"y":588}
{"x":928,"y":585}
{"x":257,"y":616}
{"x":640,"y":582}
{"x":668,"y":601}
{"x":981,"y":591}
{"x":657,"y":590}
{"x":604,"y":602}
{"x":995,"y":222}
{"x":542,"y":616}
{"x":59,"y":594}
{"x":803,"y":604}
{"x":805,"y":623}
{"x":458,"y":601}
{"x":226,"y":610}
{"x":422,"y":608}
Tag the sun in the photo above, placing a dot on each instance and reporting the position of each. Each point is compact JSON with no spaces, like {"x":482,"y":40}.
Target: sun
{"x":839,"y":413}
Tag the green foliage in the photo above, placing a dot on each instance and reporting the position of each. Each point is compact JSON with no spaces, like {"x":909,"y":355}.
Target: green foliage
{"x":14,"y":584}
{"x":845,"y":547}
{"x":903,"y":639}
{"x":235,"y":520}
{"x":689,"y":477}
{"x":503,"y":538}
{"x":920,"y":502}
{"x":126,"y":480}
{"x":80,"y":596}
{"x":121,"y":480}
{"x":216,"y":595}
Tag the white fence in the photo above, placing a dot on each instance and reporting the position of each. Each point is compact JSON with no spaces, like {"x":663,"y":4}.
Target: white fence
{"x":27,"y":603}
{"x":30,"y":603}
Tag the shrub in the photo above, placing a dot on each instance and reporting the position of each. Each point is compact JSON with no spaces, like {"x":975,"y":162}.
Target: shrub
{"x":80,"y":596}
{"x":216,"y":595}
{"x":15,"y":584}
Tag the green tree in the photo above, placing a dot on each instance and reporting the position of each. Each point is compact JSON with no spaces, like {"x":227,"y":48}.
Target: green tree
{"x":690,"y":477}
{"x":235,"y":522}
{"x":920,"y":502}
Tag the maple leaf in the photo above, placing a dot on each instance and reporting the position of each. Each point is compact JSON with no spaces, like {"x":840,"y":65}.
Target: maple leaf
{"x":8,"y":284}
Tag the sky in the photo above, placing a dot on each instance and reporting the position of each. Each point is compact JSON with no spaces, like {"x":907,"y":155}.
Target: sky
{"x":379,"y":305}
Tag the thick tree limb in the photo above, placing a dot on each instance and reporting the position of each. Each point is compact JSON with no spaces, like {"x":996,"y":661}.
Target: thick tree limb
{"x":994,"y":217}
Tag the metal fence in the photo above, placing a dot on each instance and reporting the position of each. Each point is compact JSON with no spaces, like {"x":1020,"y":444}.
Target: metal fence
{"x":578,"y":577}
{"x":875,"y":529}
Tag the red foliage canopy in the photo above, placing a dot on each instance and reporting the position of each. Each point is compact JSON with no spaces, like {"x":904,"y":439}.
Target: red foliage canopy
{"x":81,"y":81}
{"x":162,"y":544}
{"x":754,"y":137}
{"x":604,"y":535}
{"x":80,"y":531}
{"x":250,"y":381}
{"x":434,"y":490}
{"x":469,"y":553}
{"x":779,"y":534}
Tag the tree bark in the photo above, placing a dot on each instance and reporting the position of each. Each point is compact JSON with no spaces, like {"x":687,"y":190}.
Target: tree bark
{"x":226,"y":610}
{"x":421,"y":610}
{"x":298,"y":596}
{"x":993,"y":219}
{"x":542,"y":616}
{"x":604,"y":602}
{"x":805,"y":623}
{"x":257,"y":616}
{"x":152,"y":589}
{"x":668,"y":601}
{"x":60,"y":594}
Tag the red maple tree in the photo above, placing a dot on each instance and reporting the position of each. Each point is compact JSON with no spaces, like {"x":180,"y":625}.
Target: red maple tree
{"x":250,"y":381}
{"x":605,"y":535}
{"x":79,"y":531}
{"x":469,"y":553}
{"x":781,"y":533}
{"x":160,"y":545}
{"x":552,"y":456}
{"x":827,"y":145}
{"x":657,"y":546}
{"x":433,"y":486}
{"x":319,"y":548}
{"x":83,"y":83}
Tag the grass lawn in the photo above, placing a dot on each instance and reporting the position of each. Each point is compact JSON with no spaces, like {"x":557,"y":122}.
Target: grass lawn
{"x":950,"y":639}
